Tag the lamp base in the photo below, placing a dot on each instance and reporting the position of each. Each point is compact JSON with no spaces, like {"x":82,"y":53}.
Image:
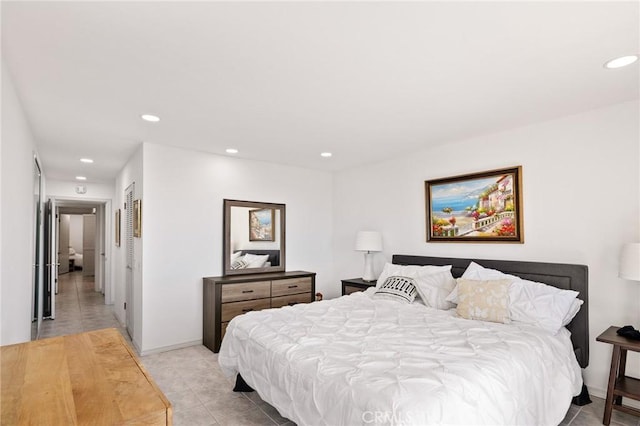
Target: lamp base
{"x":368,"y":275}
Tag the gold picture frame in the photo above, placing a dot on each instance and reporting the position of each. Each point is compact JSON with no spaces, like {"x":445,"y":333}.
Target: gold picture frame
{"x":117,"y":228}
{"x":137,"y":218}
{"x":477,"y":207}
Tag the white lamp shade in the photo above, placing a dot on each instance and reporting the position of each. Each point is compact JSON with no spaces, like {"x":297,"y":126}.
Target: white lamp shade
{"x":369,"y":241}
{"x":629,"y":268}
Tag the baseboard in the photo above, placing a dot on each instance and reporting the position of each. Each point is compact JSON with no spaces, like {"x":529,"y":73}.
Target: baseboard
{"x":170,"y":347}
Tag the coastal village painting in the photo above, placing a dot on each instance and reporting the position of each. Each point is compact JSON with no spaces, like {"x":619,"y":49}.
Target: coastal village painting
{"x":481,"y":207}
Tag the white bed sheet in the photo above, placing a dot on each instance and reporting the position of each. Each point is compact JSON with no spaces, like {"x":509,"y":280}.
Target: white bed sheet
{"x":78,"y":259}
{"x":358,"y":360}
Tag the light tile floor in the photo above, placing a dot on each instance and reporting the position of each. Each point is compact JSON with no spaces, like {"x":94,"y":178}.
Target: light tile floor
{"x":191,"y":378}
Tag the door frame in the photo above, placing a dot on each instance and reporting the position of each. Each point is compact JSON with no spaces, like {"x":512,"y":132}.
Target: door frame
{"x":107,"y":240}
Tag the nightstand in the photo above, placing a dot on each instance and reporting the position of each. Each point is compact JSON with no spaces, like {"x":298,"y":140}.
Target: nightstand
{"x":353,"y":285}
{"x":619,"y":384}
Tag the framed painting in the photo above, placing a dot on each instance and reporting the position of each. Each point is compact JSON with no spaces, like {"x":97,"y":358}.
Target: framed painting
{"x":261,"y":224}
{"x":137,"y":218}
{"x":117,"y":228}
{"x":478,"y":207}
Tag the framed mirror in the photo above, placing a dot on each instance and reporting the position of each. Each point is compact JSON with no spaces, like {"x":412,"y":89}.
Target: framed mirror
{"x":254,"y":237}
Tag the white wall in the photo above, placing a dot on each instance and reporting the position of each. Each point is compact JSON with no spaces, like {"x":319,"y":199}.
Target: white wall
{"x":130,"y":173}
{"x":16,"y":205}
{"x":182,"y":230}
{"x":66,"y":190}
{"x":581,"y":189}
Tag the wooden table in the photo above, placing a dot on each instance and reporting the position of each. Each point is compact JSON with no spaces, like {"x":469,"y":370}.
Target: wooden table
{"x":91,"y":378}
{"x":619,"y":384}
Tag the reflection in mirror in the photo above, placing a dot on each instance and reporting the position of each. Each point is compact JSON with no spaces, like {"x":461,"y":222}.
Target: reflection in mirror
{"x":254,"y":237}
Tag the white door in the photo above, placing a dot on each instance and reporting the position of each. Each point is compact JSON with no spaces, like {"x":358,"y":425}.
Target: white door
{"x":51,"y":257}
{"x":63,"y":244}
{"x":128,"y":304}
{"x":88,"y":244}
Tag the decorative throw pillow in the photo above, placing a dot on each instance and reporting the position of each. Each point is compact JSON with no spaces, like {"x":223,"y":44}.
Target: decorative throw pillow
{"x":484,"y":300}
{"x":400,"y":289}
{"x":239,"y":264}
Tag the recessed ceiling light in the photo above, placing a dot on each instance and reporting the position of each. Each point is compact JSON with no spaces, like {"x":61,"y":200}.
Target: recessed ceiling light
{"x":326,"y":154}
{"x":151,"y":118}
{"x":231,"y":151}
{"x":81,"y":178}
{"x":620,"y":62}
{"x":86,"y":160}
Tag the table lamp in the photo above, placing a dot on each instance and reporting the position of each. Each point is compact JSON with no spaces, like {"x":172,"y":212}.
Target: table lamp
{"x":629,"y":269}
{"x":368,"y":241}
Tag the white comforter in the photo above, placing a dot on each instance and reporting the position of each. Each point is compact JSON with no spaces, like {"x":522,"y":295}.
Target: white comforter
{"x":357,"y":360}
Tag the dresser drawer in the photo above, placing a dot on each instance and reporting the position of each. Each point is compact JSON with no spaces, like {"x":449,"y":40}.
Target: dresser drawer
{"x":290,"y":286}
{"x":246,"y":291}
{"x":233,"y":309}
{"x":291,"y":299}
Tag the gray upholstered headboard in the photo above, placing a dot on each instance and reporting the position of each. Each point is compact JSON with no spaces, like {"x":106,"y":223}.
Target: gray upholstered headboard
{"x":564,"y":276}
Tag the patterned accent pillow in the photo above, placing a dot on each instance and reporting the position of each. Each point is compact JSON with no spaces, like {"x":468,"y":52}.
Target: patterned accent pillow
{"x":400,"y":289}
{"x":484,"y":300}
{"x":239,"y":264}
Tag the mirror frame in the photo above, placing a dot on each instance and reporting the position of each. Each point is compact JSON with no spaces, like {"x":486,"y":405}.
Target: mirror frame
{"x":226,"y":250}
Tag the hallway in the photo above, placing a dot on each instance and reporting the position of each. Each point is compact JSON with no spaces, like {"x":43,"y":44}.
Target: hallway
{"x":79,"y":308}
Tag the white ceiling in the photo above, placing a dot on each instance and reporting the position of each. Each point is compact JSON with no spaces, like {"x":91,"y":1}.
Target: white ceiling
{"x":283,"y":82}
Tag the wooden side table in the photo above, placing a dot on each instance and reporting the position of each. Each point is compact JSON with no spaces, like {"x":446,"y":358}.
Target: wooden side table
{"x":619,"y":384}
{"x":352,"y":285}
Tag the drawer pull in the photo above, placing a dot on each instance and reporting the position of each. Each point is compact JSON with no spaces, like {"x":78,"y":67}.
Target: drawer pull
{"x":247,"y":309}
{"x":247,"y":291}
{"x":293,"y":286}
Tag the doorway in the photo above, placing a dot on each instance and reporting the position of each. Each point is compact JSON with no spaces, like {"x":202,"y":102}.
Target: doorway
{"x":78,"y":264}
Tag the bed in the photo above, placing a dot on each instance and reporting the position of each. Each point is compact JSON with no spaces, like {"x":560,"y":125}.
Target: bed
{"x":75,"y":260}
{"x":361,"y":360}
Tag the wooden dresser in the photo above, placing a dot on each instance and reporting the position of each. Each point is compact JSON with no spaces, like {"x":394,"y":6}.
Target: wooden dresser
{"x":91,"y":378}
{"x":227,"y":297}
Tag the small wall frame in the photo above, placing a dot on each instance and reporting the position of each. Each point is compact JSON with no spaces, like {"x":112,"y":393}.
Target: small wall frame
{"x":137,"y":218}
{"x":117,"y":228}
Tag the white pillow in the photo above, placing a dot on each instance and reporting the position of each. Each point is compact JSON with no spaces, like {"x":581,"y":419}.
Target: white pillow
{"x":530,"y":302}
{"x":235,"y":256}
{"x":72,"y":251}
{"x":573,"y":311}
{"x":255,"y":260}
{"x":540,"y":304}
{"x":407,"y":271}
{"x":396,"y":288}
{"x":433,"y":288}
